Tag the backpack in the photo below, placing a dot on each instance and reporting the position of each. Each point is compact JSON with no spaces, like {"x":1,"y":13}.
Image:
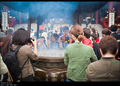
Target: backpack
{"x":10,"y":59}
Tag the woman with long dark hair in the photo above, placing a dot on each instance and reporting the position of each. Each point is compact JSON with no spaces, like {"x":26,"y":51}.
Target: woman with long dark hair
{"x":21,"y":37}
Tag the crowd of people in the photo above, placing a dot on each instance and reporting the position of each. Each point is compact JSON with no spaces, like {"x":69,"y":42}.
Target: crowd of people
{"x":81,"y":61}
{"x":54,"y":40}
{"x":86,"y":56}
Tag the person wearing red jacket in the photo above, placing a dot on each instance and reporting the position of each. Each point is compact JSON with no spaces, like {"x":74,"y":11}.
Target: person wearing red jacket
{"x":86,"y":39}
{"x":96,"y":32}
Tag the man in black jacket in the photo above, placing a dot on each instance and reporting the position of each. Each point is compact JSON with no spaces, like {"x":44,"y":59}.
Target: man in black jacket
{"x":96,"y":46}
{"x":113,"y":30}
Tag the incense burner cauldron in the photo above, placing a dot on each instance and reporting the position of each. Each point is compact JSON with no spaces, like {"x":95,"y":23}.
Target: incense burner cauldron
{"x":50,"y":66}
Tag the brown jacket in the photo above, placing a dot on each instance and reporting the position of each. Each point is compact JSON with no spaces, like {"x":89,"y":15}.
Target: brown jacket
{"x":4,"y":49}
{"x":105,"y":69}
{"x":22,"y":55}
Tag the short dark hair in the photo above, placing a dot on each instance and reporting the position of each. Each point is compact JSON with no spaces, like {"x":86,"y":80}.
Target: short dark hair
{"x":108,"y":44}
{"x":20,"y":37}
{"x":113,"y":27}
{"x":65,"y":28}
{"x":55,"y":35}
{"x":94,"y":36}
{"x":87,"y":33}
{"x":106,"y":31}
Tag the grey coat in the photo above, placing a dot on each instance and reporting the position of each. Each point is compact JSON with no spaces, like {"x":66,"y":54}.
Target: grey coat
{"x":105,"y":69}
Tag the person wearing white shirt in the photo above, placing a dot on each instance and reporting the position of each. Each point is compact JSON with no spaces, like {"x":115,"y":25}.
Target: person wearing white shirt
{"x":3,"y":69}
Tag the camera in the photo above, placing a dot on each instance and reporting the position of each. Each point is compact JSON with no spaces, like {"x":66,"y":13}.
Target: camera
{"x":29,"y":40}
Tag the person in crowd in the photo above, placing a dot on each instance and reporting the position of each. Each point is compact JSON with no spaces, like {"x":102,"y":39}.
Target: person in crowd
{"x":107,"y":68}
{"x":42,"y":43}
{"x":65,"y":37}
{"x":3,"y":70}
{"x":7,"y":40}
{"x":21,"y":37}
{"x":105,"y":32}
{"x":55,"y":44}
{"x":96,"y":32}
{"x":61,"y":32}
{"x":86,"y":37}
{"x":77,"y":56}
{"x":96,"y":46}
{"x":113,"y":30}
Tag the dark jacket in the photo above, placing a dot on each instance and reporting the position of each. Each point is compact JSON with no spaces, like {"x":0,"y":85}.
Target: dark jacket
{"x":117,"y":36}
{"x":96,"y":50}
{"x":118,"y":54}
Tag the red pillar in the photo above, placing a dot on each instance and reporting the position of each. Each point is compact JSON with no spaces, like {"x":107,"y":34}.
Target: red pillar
{"x":119,"y":12}
{"x":110,"y":6}
{"x":119,"y":9}
{"x":97,"y":17}
{"x":19,"y":17}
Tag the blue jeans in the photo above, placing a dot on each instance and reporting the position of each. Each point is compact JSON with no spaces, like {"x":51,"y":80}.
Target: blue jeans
{"x":68,"y":80}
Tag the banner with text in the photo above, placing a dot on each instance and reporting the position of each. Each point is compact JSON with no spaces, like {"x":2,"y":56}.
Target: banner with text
{"x":4,"y":20}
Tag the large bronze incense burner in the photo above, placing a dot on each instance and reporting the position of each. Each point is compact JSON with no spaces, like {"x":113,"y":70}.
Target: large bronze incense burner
{"x":50,"y":66}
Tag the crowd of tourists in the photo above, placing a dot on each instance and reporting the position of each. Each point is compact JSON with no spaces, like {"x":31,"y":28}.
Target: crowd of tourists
{"x":87,"y":57}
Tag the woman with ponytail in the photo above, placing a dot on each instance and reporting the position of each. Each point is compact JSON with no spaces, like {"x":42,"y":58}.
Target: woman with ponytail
{"x":77,"y":55}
